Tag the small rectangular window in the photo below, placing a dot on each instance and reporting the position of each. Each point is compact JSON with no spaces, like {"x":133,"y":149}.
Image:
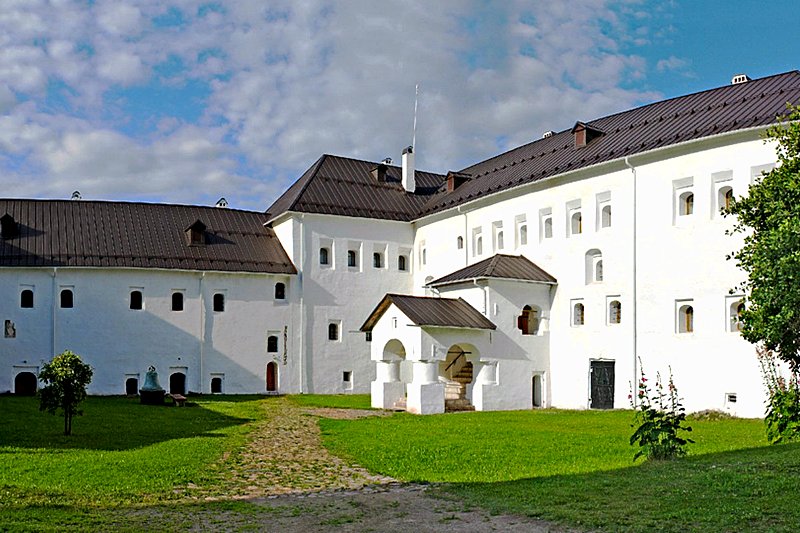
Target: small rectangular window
{"x":347,"y":380}
{"x":368,"y":335}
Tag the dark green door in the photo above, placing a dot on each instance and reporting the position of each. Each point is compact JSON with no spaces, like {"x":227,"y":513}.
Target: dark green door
{"x":602,"y":388}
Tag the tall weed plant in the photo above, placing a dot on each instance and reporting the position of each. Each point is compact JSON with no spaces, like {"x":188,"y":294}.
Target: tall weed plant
{"x":783,"y":403}
{"x":658,"y":420}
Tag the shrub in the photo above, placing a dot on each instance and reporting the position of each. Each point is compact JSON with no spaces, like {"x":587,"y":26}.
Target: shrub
{"x":66,"y":377}
{"x":658,"y":420}
{"x":783,"y":402}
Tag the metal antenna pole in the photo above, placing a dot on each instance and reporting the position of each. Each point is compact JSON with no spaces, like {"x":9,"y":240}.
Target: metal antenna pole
{"x":414,"y":134}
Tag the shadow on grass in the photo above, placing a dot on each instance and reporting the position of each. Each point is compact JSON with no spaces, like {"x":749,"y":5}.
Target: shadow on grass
{"x":754,"y":489}
{"x":110,"y":423}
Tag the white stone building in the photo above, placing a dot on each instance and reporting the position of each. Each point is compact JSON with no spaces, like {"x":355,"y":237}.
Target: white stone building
{"x":539,"y":277}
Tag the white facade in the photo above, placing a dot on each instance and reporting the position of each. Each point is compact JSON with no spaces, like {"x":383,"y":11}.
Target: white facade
{"x":636,"y":244}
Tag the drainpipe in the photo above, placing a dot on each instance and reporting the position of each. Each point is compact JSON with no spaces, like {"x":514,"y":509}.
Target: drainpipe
{"x":202,"y":331}
{"x":301,"y":366}
{"x":53,"y":312}
{"x":635,"y":325}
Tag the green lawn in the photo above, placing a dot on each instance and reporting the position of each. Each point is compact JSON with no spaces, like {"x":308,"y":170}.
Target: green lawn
{"x":120,"y":451}
{"x":342,"y":401}
{"x":576,"y":468}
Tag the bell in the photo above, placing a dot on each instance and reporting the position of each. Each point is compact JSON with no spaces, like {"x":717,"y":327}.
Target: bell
{"x":151,"y":380}
{"x":151,"y":392}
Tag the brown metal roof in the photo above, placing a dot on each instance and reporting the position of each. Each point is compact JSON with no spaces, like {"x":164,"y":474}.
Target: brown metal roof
{"x":341,"y":186}
{"x":119,"y":234}
{"x":501,"y":266}
{"x":336,"y":185}
{"x":427,"y":311}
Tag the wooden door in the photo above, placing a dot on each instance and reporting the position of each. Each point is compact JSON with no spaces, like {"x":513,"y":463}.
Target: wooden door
{"x":272,"y":377}
{"x":602,"y":384}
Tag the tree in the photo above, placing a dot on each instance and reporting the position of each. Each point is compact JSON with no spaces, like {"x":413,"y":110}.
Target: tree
{"x":66,"y":377}
{"x":769,"y":217}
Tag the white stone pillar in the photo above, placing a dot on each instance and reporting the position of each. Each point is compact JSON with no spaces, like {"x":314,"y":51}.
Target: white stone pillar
{"x":387,"y":388}
{"x":484,"y":386}
{"x":425,"y":393}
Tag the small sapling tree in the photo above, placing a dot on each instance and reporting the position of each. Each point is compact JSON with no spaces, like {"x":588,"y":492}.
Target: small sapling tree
{"x":658,"y":420}
{"x":66,"y":378}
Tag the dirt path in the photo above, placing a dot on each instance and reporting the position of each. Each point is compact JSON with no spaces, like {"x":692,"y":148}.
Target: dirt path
{"x":293,"y":484}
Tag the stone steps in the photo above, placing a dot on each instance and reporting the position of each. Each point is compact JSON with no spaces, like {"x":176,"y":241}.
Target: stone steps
{"x":461,"y":404}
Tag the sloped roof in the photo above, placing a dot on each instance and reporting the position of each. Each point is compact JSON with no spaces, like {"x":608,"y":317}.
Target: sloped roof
{"x":428,"y":311}
{"x":337,"y":185}
{"x":500,"y":266}
{"x":341,"y":186}
{"x":81,"y":233}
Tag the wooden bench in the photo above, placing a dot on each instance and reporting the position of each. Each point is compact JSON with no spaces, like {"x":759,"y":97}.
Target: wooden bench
{"x":178,"y":399}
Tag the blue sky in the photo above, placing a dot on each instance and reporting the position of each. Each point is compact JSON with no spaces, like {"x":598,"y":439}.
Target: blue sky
{"x":186,"y":101}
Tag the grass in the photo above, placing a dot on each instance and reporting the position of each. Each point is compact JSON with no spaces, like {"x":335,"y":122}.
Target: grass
{"x":576,"y":468}
{"x":504,"y":446}
{"x":340,"y":401}
{"x":120,"y":451}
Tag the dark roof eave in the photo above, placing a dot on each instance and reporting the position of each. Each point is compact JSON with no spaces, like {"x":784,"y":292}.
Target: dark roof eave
{"x":487,"y":278}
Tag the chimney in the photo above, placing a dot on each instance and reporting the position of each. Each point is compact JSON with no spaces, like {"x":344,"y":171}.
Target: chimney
{"x":409,"y":183}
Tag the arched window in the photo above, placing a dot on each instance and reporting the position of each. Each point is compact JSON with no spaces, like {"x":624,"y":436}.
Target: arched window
{"x":67,"y":300}
{"x":460,"y":242}
{"x":216,"y":385}
{"x":424,"y":256}
{"x":548,"y":228}
{"x":136,"y":300}
{"x":26,"y":299}
{"x":593,"y":266}
{"x":528,"y":321}
{"x":736,"y":316}
{"x":686,"y":319}
{"x":401,"y":263}
{"x":614,"y":312}
{"x":523,"y":235}
{"x":219,"y":302}
{"x":576,"y":223}
{"x":280,"y":291}
{"x":725,"y":197}
{"x":500,"y":240}
{"x":352,"y":258}
{"x":686,"y":201}
{"x":479,"y":245}
{"x":272,"y":344}
{"x":377,"y":260}
{"x":177,"y":301}
{"x":324,"y":258}
{"x":577,"y":314}
{"x":605,"y":217}
{"x":333,"y":331}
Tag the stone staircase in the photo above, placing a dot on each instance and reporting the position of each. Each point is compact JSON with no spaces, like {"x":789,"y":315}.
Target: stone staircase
{"x":400,"y":405}
{"x":455,"y":390}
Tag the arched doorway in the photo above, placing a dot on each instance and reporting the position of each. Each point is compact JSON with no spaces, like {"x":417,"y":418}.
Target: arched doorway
{"x":177,"y":383}
{"x":132,"y":386}
{"x":536,"y":390}
{"x":25,"y":384}
{"x":272,"y":377}
{"x":395,"y":372}
{"x":457,"y":373}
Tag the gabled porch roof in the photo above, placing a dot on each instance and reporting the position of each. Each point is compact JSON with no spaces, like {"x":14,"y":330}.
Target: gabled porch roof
{"x":500,"y":266}
{"x":428,"y":311}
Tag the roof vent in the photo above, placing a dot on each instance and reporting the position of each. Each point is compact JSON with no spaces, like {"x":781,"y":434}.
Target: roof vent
{"x":8,"y":227}
{"x":548,"y":133}
{"x":76,"y":195}
{"x":584,"y":133}
{"x":456,"y":180}
{"x":379,"y":172}
{"x":740,"y":78}
{"x":387,"y":161}
{"x":222,"y":202}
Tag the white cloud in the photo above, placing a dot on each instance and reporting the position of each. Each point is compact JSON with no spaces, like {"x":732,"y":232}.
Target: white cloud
{"x":292,"y":80}
{"x":672,"y":63}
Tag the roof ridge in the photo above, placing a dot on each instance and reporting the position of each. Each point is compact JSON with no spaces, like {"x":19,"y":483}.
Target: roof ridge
{"x":128,"y":202}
